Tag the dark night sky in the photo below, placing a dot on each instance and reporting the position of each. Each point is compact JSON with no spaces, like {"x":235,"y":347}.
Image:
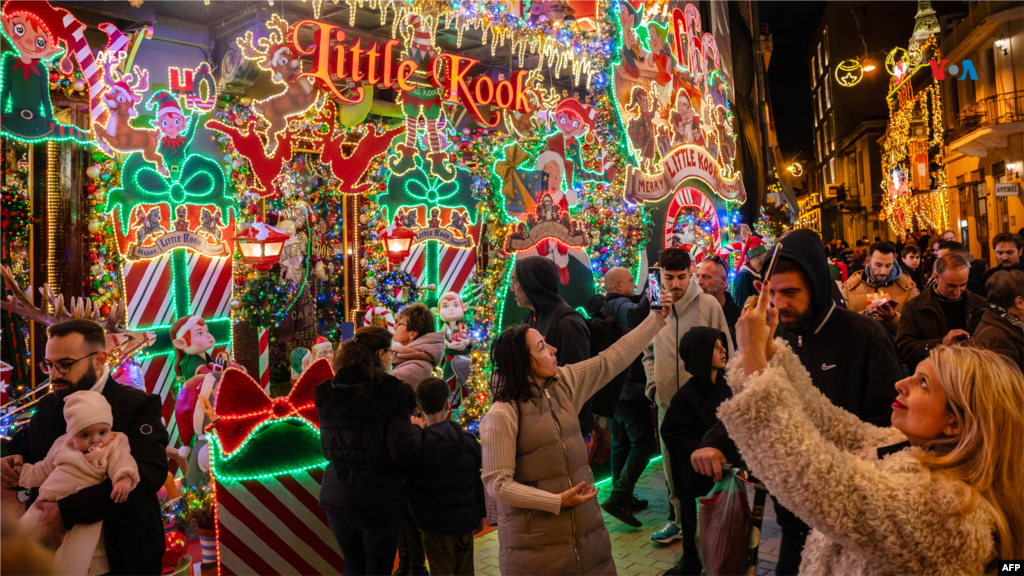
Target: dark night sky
{"x":792,"y":24}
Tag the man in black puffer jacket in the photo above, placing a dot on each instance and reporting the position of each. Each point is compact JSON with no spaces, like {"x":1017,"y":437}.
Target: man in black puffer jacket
{"x":371,"y":444}
{"x":446,"y":493}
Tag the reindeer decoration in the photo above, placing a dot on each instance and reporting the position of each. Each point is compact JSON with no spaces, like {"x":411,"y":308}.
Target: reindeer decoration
{"x":122,"y":94}
{"x":275,"y":56}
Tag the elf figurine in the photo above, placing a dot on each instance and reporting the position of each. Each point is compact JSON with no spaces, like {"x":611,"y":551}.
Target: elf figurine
{"x":458,"y":346}
{"x":36,"y":30}
{"x":192,"y":344}
{"x":193,"y":412}
{"x":300,"y":359}
{"x":322,"y":348}
{"x":176,"y":131}
{"x":425,"y":101}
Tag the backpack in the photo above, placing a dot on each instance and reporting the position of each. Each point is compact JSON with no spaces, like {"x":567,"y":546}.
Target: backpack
{"x":605,"y":331}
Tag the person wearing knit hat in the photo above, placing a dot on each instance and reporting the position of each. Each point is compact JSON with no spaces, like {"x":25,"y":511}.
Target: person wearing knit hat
{"x":88,"y":454}
{"x":749,"y":269}
{"x":176,"y":131}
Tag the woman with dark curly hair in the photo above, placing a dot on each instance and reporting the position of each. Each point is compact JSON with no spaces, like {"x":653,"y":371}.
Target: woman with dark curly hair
{"x":534,"y":458}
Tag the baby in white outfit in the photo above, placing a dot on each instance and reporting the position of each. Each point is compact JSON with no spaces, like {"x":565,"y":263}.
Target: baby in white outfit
{"x":88,"y":454}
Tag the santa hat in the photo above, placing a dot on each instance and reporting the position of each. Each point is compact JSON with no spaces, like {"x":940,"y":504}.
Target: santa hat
{"x":321,"y":343}
{"x":85,"y":408}
{"x":166,"y":103}
{"x":753,"y":248}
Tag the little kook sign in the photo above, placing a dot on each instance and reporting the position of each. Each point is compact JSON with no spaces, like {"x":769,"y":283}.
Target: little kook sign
{"x":334,"y":60}
{"x":686,"y":161}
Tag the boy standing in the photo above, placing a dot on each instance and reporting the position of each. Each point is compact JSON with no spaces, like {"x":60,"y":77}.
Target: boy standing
{"x":690,"y":415}
{"x":446,"y":493}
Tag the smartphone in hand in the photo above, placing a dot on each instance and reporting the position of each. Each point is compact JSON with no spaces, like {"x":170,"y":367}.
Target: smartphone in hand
{"x":654,"y":288}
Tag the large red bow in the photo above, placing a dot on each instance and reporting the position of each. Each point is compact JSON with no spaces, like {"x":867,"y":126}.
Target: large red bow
{"x":242,"y":405}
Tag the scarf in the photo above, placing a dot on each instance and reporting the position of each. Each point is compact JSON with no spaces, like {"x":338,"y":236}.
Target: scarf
{"x":1009,"y":317}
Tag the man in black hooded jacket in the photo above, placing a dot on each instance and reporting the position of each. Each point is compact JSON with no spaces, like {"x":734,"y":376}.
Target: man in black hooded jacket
{"x":535,"y":285}
{"x":850,"y":357}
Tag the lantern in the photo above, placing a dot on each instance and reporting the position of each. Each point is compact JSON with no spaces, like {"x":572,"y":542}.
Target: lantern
{"x":261,"y":245}
{"x":398,"y":244}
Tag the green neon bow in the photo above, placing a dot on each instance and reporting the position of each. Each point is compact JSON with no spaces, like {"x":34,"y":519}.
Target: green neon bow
{"x":200,"y":182}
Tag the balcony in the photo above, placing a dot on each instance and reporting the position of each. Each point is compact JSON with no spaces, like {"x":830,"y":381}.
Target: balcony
{"x":986,"y":125}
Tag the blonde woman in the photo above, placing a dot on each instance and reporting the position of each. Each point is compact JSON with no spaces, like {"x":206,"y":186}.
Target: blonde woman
{"x":939,"y":492}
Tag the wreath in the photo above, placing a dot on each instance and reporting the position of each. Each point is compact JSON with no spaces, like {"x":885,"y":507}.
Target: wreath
{"x":396,"y":289}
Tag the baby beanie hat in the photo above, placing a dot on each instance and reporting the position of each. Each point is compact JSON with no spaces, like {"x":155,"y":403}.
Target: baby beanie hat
{"x":85,"y":408}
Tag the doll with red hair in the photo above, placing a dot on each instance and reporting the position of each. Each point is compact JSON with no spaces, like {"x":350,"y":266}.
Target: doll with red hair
{"x":37,"y":31}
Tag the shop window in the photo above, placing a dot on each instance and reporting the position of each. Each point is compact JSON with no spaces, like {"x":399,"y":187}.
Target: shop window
{"x":814,"y":73}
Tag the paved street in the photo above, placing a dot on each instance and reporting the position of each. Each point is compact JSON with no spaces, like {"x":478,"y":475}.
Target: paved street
{"x":633,"y":549}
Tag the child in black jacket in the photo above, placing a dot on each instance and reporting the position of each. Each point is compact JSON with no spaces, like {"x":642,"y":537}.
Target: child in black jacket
{"x":690,"y":415}
{"x":446,"y":493}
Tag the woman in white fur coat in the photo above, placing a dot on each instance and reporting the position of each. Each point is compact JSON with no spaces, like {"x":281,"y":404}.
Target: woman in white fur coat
{"x":939,"y":492}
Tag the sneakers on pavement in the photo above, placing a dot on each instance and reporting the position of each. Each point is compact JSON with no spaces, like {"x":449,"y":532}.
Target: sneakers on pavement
{"x":669,"y":533}
{"x":621,"y":510}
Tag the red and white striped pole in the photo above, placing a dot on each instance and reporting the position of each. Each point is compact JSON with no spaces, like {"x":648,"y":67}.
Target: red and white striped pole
{"x":265,"y":359}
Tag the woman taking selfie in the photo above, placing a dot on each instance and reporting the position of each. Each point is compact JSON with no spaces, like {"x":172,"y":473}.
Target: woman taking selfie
{"x":367,"y":435}
{"x":939,"y":492}
{"x":534,"y":458}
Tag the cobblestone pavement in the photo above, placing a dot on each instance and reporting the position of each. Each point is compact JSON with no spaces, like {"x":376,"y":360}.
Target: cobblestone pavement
{"x":634,"y":552}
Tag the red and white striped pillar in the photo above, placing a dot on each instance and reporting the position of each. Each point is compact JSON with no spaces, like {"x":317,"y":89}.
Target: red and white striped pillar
{"x":265,"y":359}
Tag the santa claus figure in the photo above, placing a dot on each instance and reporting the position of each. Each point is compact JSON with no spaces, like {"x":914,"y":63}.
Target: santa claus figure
{"x":322,"y":348}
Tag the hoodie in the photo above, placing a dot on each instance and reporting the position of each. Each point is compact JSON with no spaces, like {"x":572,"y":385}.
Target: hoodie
{"x":851,"y":357}
{"x":559,"y":324}
{"x":692,"y":412}
{"x":416,"y":361}
{"x":666,"y":371}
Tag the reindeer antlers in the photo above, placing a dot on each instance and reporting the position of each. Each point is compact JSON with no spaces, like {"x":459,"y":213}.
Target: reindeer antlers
{"x":261,"y":48}
{"x":137,"y":80}
{"x":21,"y":303}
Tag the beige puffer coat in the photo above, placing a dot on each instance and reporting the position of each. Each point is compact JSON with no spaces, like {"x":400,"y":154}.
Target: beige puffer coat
{"x":855,"y":291}
{"x":869,"y":515}
{"x":533,"y":451}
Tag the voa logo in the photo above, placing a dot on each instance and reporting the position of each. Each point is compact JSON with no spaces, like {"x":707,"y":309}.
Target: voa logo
{"x":939,"y":69}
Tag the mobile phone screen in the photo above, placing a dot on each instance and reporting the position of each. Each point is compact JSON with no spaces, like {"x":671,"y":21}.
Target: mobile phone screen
{"x":771,"y":264}
{"x":654,"y":287}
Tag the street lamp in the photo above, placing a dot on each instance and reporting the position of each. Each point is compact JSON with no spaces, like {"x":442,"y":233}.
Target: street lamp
{"x":261,"y":245}
{"x":398,"y":244}
{"x":1001,"y":44}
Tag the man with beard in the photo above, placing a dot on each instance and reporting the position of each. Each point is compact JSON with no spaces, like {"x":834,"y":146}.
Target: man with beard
{"x":133,"y":530}
{"x":884,"y":277}
{"x":850,"y":357}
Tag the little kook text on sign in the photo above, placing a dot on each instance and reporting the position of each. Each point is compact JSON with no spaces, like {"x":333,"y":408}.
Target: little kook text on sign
{"x":339,"y":62}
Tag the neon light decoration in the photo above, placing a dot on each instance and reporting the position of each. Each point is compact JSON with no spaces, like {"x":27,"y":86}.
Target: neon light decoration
{"x":849,"y":73}
{"x":38,"y":31}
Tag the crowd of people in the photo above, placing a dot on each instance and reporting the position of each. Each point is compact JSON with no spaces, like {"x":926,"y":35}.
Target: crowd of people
{"x":883,"y":409}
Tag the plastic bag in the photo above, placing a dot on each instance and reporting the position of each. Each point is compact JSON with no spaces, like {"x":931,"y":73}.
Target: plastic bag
{"x":723,"y":528}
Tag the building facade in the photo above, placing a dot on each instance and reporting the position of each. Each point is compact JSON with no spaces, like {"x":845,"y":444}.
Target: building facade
{"x":848,"y":81}
{"x":984,"y":115}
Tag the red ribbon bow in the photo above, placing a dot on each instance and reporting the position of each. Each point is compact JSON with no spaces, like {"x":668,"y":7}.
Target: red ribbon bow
{"x":242,"y":405}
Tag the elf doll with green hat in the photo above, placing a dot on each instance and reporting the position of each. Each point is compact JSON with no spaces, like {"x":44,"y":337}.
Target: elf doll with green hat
{"x":176,"y":131}
{"x":749,"y":269}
